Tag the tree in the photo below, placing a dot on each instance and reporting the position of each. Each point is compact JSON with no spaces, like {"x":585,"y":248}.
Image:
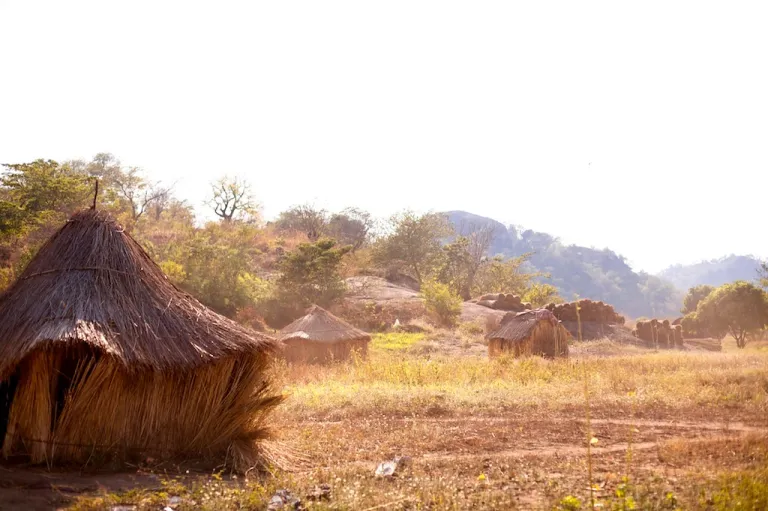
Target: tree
{"x":137,"y":193}
{"x":739,"y":308}
{"x":305,"y":219}
{"x":310,"y":274}
{"x":351,"y":226}
{"x":232,"y":197}
{"x":414,"y":243}
{"x":465,"y":257}
{"x":441,"y":301}
{"x":539,"y":295}
{"x":506,"y":276}
{"x":695,"y":295}
{"x":762,"y":274}
{"x":45,"y":186}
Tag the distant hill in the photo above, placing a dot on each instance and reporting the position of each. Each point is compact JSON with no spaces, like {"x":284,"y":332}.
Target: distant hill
{"x":581,"y":271}
{"x":715,"y":272}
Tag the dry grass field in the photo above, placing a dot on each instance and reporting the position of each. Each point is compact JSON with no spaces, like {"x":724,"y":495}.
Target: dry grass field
{"x":666,"y":430}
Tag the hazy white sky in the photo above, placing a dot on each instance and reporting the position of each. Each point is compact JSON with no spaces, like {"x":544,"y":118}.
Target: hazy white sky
{"x":642,"y":126}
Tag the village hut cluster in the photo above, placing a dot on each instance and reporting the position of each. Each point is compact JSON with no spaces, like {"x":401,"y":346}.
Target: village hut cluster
{"x":532,"y":332}
{"x":102,"y":358}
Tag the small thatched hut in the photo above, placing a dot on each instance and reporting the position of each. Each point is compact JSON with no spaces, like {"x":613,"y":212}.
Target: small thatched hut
{"x":319,"y":336}
{"x":534,"y":332}
{"x":102,"y":358}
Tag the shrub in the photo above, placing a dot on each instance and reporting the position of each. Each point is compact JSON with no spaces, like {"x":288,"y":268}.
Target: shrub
{"x":441,"y":302}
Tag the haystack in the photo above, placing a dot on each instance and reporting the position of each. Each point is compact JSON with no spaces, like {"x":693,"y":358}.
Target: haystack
{"x":319,"y":336}
{"x":534,"y":332}
{"x":102,"y":358}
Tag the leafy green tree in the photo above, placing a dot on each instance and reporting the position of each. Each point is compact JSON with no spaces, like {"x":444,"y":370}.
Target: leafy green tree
{"x":310,"y":274}
{"x":538,"y":295}
{"x":43,"y":187}
{"x":464,"y":259}
{"x":413,"y":243}
{"x":306,"y":219}
{"x":352,"y":226}
{"x":441,"y":301}
{"x":762,"y":275}
{"x":506,"y":276}
{"x":695,"y":295}
{"x":739,"y":308}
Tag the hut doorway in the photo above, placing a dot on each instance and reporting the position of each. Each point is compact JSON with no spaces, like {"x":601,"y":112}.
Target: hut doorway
{"x":7,"y":391}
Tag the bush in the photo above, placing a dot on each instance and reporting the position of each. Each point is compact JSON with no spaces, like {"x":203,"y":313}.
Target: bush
{"x":441,"y":302}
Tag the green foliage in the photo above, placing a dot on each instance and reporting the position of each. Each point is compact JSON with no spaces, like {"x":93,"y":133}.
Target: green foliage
{"x":739,"y":308}
{"x":762,"y":275}
{"x":413,"y":244}
{"x":742,"y":490}
{"x":45,"y":186}
{"x":306,"y":219}
{"x":311,"y":274}
{"x":501,"y":275}
{"x":538,"y":295}
{"x":694,"y":296}
{"x":441,"y":301}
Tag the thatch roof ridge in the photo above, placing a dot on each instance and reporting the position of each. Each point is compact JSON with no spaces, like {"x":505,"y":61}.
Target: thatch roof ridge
{"x":319,"y":325}
{"x":518,"y":326}
{"x":91,"y":282}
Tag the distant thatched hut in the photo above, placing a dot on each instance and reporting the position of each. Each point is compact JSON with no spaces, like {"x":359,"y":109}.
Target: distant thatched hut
{"x":534,"y":332}
{"x":319,"y":336}
{"x":101,"y":357}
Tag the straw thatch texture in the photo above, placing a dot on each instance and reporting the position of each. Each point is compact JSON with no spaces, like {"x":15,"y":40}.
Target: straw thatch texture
{"x":319,"y":336}
{"x":535,"y":332}
{"x":107,"y":360}
{"x":92,"y":282}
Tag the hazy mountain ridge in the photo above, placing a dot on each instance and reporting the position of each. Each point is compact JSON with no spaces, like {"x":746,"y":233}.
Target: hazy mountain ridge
{"x":714,"y":272}
{"x":580,"y":271}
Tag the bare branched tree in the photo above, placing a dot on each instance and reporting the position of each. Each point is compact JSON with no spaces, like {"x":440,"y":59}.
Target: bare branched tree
{"x":137,"y":192}
{"x":231,"y":197}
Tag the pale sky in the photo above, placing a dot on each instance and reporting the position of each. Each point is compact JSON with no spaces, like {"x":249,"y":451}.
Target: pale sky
{"x":642,"y":126}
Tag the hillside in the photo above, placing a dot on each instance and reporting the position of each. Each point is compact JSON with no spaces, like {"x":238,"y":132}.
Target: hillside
{"x":714,"y":272}
{"x":580,"y":271}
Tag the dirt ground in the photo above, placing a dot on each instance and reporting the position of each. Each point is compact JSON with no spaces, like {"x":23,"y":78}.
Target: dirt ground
{"x":518,"y":460}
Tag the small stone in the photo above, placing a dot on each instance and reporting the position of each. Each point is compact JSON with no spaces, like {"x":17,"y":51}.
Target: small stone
{"x":320,"y":492}
{"x":389,"y":468}
{"x":283,"y":499}
{"x":123,"y":508}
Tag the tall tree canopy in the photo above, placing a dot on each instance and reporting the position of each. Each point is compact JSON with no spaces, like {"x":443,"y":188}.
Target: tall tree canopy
{"x":739,"y":308}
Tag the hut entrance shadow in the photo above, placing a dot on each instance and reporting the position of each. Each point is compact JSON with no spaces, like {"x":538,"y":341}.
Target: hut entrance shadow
{"x":7,"y":391}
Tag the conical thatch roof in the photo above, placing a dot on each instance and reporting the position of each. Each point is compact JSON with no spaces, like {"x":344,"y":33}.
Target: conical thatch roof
{"x":319,"y":325}
{"x":91,"y":282}
{"x":518,"y":326}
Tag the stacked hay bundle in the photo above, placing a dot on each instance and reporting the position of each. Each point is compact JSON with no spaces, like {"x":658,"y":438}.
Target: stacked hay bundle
{"x":589,"y":311}
{"x":645,"y":332}
{"x":503,"y":302}
{"x":659,"y":333}
{"x":677,"y":334}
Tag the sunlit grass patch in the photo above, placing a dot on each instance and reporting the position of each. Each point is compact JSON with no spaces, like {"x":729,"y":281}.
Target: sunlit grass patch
{"x":394,"y":341}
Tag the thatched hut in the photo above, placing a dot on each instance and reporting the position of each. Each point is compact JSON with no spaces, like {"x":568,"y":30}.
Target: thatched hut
{"x":102,"y":358}
{"x":320,"y":337}
{"x":534,"y":332}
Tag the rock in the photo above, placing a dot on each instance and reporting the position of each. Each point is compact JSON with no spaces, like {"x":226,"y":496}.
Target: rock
{"x":320,"y":492}
{"x":390,"y":468}
{"x":123,"y":508}
{"x":283,"y":499}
